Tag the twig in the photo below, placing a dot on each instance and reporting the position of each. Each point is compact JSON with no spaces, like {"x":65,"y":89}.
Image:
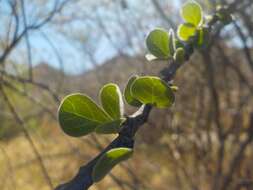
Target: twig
{"x":238,"y":156}
{"x":28,"y":137}
{"x":83,"y":179}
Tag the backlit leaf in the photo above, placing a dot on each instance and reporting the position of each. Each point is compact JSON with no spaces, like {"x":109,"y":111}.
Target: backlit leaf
{"x":186,"y":31}
{"x":158,"y":43}
{"x":79,"y":115}
{"x":108,"y":161}
{"x":110,"y":127}
{"x":111,"y":100}
{"x":152,"y":90}
{"x":127,"y":93}
{"x":192,"y":13}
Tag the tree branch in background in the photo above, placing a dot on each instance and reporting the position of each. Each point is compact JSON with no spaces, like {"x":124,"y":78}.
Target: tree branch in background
{"x":28,"y":137}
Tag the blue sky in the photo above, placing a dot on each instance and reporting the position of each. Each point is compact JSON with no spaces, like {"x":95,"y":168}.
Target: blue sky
{"x":69,"y":42}
{"x":48,"y":49}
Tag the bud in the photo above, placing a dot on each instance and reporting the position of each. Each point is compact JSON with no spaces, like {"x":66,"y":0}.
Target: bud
{"x":179,"y":55}
{"x":174,"y":88}
{"x":172,"y":42}
{"x":178,"y":44}
{"x":203,"y":37}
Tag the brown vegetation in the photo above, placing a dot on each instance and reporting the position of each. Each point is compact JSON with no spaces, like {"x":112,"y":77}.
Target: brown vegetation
{"x":203,"y":143}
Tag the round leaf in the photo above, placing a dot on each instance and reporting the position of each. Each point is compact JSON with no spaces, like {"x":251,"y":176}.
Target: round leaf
{"x":106,"y":162}
{"x":192,"y":13}
{"x":127,"y":93}
{"x":79,"y":115}
{"x":111,"y":100}
{"x":152,"y":90}
{"x":186,"y":31}
{"x":158,"y":43}
{"x":110,"y":127}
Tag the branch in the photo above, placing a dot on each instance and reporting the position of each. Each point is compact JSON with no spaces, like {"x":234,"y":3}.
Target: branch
{"x":83,"y":179}
{"x":42,"y":86}
{"x":20,"y":121}
{"x":163,"y":15}
{"x":18,"y":37}
{"x":235,"y":162}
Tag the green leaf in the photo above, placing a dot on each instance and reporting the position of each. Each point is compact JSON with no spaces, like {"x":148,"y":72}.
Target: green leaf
{"x":111,"y":100}
{"x":192,"y":13}
{"x":110,"y":127}
{"x":186,"y":31}
{"x":152,"y":90}
{"x":127,"y":93}
{"x":158,"y":43}
{"x":79,"y":115}
{"x":106,"y":162}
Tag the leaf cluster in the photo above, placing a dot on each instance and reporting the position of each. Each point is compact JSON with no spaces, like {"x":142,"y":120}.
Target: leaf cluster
{"x":79,"y":115}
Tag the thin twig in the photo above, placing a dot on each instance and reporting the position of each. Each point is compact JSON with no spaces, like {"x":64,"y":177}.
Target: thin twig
{"x":28,"y":137}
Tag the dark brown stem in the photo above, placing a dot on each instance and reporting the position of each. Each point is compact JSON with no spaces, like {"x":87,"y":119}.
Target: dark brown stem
{"x":83,"y":179}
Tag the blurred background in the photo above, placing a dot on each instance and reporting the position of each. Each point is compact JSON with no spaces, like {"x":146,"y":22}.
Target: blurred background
{"x":50,"y":48}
